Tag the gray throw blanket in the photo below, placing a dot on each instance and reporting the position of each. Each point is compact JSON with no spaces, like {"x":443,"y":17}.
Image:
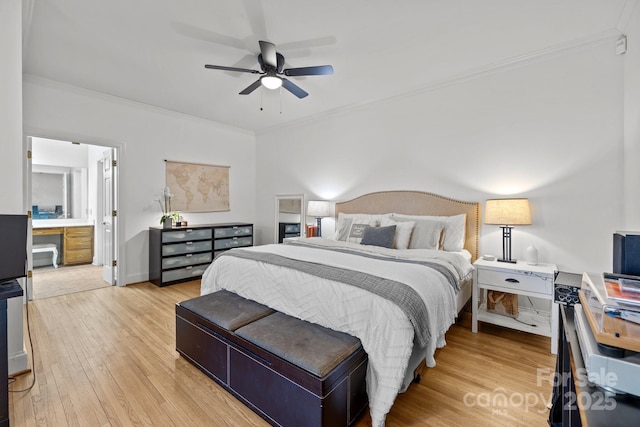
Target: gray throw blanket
{"x":404,"y":296}
{"x":448,"y":274}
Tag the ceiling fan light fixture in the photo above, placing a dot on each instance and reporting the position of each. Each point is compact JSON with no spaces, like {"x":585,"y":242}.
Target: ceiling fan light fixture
{"x":271,"y":82}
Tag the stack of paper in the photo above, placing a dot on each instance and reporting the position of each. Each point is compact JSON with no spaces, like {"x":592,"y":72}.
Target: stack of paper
{"x":625,"y":292}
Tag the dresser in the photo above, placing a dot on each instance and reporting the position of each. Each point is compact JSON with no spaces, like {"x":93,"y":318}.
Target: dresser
{"x":184,"y":253}
{"x":288,"y":229}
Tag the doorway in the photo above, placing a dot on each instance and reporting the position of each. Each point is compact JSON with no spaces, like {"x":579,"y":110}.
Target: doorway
{"x":71,"y":189}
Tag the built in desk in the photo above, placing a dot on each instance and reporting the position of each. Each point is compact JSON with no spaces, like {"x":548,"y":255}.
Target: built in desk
{"x":75,"y":242}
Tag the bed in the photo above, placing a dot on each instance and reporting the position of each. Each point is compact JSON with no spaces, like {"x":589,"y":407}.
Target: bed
{"x":395,"y":275}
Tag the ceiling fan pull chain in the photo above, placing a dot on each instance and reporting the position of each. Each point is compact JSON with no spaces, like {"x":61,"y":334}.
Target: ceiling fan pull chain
{"x":280,"y":99}
{"x":260,"y":99}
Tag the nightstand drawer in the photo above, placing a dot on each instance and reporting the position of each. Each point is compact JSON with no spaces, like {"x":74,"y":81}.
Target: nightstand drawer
{"x":524,"y":281}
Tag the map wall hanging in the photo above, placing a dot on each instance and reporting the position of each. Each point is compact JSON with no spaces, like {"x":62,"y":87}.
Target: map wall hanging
{"x":197,"y":187}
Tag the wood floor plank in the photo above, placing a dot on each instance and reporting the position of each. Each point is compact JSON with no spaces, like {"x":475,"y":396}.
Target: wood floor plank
{"x":107,"y":357}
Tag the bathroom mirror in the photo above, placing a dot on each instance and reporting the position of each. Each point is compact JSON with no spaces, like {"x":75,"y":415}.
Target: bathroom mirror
{"x":289,"y":216}
{"x":58,"y":192}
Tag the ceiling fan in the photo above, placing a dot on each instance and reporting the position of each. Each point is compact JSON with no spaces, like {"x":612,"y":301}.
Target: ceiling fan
{"x":272,"y":65}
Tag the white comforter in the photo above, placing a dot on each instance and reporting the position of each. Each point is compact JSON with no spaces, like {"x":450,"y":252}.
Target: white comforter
{"x":384,"y":330}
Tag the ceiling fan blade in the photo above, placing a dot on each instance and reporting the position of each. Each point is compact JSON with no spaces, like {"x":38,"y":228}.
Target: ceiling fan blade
{"x":268,"y":51}
{"x":293,"y":88}
{"x":221,"y":67}
{"x":253,"y":86}
{"x":318,"y":70}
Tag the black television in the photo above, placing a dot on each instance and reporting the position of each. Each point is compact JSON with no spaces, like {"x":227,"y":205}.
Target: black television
{"x":626,"y":253}
{"x":13,"y":247}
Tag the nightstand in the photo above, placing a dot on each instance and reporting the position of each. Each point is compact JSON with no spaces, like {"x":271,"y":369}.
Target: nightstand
{"x":534,"y":281}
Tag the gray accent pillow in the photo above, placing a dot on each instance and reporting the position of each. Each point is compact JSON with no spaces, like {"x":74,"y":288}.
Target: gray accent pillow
{"x":379,"y":236}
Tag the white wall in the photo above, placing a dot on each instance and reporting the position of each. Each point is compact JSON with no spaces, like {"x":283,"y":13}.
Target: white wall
{"x":549,"y":129}
{"x":12,"y":159}
{"x":147,"y":136}
{"x":632,"y":123}
{"x":52,"y":152}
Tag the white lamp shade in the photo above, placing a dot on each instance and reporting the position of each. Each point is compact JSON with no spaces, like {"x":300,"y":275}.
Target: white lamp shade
{"x":271,"y":82}
{"x":507,"y":212}
{"x":319,"y":208}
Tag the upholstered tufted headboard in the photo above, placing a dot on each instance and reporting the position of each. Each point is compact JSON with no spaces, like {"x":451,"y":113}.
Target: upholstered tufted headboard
{"x":418,"y":203}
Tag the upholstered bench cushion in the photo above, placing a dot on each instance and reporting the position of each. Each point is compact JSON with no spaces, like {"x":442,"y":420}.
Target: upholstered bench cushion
{"x":312,"y":347}
{"x":226,"y":309}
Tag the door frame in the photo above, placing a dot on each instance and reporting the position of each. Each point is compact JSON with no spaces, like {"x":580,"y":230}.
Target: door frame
{"x":119,"y":236}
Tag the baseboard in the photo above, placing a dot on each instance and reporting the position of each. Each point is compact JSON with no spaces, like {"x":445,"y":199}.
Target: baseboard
{"x":18,"y":362}
{"x":137,"y":278}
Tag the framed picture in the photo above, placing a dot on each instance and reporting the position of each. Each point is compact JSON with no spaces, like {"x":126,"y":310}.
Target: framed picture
{"x":198,"y":187}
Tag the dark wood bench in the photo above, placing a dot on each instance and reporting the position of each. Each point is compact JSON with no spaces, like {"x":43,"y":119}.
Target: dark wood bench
{"x":290,"y":372}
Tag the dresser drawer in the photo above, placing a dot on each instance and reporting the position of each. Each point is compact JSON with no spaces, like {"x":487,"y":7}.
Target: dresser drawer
{"x":292,"y":228}
{"x":184,"y":273}
{"x":186,"y":260}
{"x":78,"y":232}
{"x":235,"y":231}
{"x":48,"y":231}
{"x":186,"y":235}
{"x":72,"y":244}
{"x":187,"y":247}
{"x":81,"y":256}
{"x":236,"y":242}
{"x":526,"y":281}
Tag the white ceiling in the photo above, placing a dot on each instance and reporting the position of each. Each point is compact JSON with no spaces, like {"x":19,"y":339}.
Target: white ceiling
{"x":154,"y":51}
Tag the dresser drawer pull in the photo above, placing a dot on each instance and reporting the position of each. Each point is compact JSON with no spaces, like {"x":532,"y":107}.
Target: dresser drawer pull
{"x":512,"y":280}
{"x":189,"y":255}
{"x":188,"y":243}
{"x":188,"y":268}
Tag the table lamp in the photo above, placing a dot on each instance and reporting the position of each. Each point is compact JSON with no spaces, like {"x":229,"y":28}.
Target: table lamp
{"x":506,"y":213}
{"x":319,"y":209}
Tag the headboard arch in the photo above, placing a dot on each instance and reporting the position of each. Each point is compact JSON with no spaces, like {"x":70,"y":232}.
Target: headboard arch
{"x":418,"y":203}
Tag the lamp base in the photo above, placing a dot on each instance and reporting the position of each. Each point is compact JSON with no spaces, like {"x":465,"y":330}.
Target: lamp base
{"x":510,"y":261}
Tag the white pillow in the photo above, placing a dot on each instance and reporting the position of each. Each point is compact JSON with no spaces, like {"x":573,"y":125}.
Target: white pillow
{"x":356,"y":231}
{"x":454,"y":229}
{"x":345,"y":221}
{"x":403,"y":232}
{"x":427,"y":233}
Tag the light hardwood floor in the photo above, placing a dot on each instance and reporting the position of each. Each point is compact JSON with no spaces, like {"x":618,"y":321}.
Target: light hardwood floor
{"x":51,"y":282}
{"x":107,"y":357}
